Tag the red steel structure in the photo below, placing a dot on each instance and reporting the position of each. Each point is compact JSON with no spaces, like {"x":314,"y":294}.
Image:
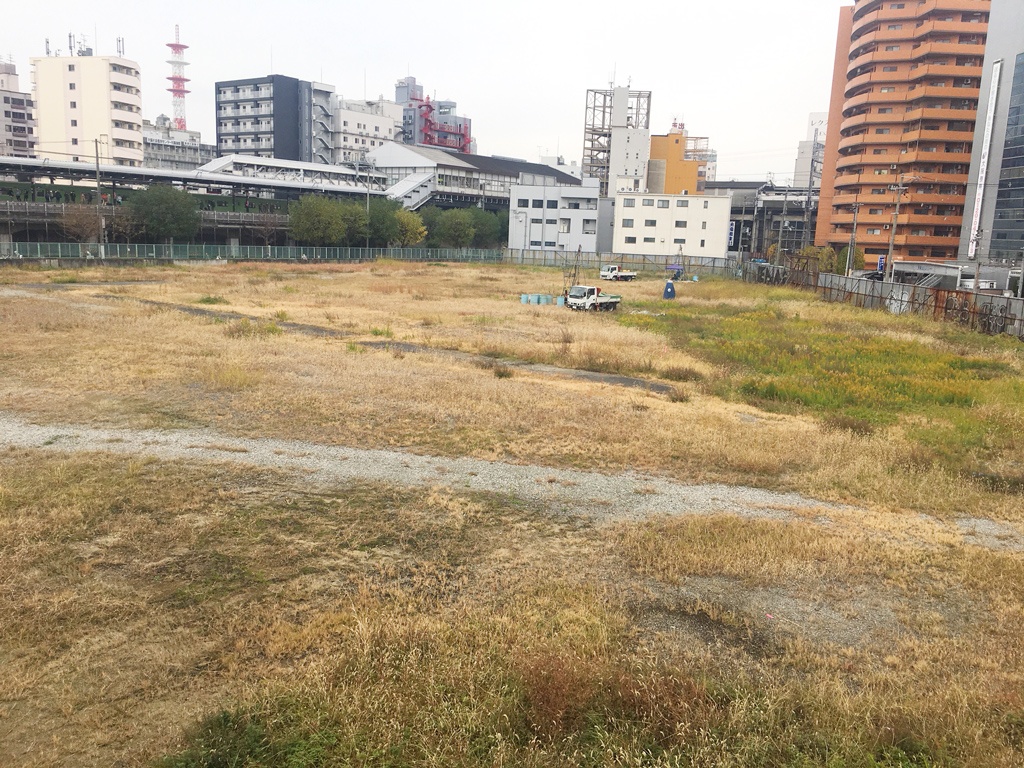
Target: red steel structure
{"x":900,"y":140}
{"x":178,"y":80}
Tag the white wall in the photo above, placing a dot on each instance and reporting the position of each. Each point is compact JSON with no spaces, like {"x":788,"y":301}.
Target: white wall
{"x":670,"y":225}
{"x":566,"y":220}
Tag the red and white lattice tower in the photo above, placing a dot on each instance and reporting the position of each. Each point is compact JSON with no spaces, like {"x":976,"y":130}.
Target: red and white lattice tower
{"x":178,"y":79}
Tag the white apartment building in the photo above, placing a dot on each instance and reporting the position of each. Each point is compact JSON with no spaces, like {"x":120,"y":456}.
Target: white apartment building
{"x":553,"y":218}
{"x":360,"y":126}
{"x":17,"y":120}
{"x":672,"y":225}
{"x":85,"y":103}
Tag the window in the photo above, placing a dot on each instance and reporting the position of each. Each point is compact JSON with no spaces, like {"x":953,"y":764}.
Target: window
{"x":648,"y":239}
{"x":875,"y":211}
{"x":702,"y":243}
{"x":536,"y":221}
{"x":874,"y":231}
{"x":703,"y":225}
{"x":627,"y":223}
{"x":881,"y":171}
{"x":74,"y":142}
{"x":878,"y":151}
{"x":892,"y":47}
{"x":889,"y":69}
{"x":71,"y":67}
{"x":881,"y":130}
{"x":648,"y":202}
{"x":590,"y":226}
{"x":630,"y":239}
{"x":706,"y":202}
{"x":897,"y":6}
{"x":663,"y":203}
{"x":74,"y":105}
{"x":682,"y":203}
{"x":650,"y":222}
{"x":549,"y":243}
{"x":538,"y":203}
{"x":679,"y":241}
{"x":680,"y":225}
{"x":536,"y":243}
{"x":550,"y":221}
{"x":71,"y":86}
{"x":523,"y":203}
{"x":629,"y":202}
{"x":887,"y":89}
{"x":552,"y":204}
{"x":564,"y":226}
{"x":895,"y":26}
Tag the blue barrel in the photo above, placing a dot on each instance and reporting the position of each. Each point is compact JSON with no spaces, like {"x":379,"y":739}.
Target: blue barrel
{"x":670,"y":290}
{"x":524,"y":298}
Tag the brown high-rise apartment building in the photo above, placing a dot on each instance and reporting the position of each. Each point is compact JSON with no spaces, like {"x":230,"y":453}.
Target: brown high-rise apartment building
{"x":901,"y":126}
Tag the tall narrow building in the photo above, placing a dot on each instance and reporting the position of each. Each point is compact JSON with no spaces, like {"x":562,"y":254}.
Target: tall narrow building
{"x":902,"y":139}
{"x":89,"y":106}
{"x":994,"y":219}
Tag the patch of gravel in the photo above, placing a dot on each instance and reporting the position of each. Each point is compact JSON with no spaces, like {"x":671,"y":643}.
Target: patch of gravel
{"x":603,"y":497}
{"x":625,"y":496}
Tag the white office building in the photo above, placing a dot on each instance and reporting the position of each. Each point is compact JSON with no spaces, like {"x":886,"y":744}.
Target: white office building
{"x":672,"y":225}
{"x":554,"y":218}
{"x":86,"y":104}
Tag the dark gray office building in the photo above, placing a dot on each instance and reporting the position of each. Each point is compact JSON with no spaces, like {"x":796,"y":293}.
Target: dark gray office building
{"x":273,"y":116}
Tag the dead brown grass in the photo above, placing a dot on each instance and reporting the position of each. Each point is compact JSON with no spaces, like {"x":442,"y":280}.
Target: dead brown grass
{"x":89,"y":360}
{"x":139,"y":596}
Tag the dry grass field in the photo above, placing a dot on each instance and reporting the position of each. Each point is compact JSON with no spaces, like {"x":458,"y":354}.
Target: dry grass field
{"x":210,"y":612}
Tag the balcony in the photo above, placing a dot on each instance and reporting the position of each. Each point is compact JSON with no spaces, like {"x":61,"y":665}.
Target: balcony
{"x":876,"y":57}
{"x":948,"y":71}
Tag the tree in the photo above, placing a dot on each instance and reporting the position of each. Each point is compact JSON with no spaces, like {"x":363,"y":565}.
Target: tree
{"x":81,"y":223}
{"x":317,"y":221}
{"x":165,"y":213}
{"x":410,"y":228}
{"x":858,"y":259}
{"x":383,"y":222}
{"x":124,"y":225}
{"x":455,"y":228}
{"x":354,"y":217}
{"x":826,"y":257}
{"x":431,"y":216}
{"x":487,"y":230}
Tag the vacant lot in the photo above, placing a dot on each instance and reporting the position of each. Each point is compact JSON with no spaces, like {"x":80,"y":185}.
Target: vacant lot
{"x":350,"y":516}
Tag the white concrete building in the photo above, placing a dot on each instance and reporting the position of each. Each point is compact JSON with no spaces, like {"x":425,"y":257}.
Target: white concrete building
{"x":617,"y":139}
{"x":811,"y":153}
{"x":672,"y":225}
{"x":17,"y":120}
{"x":554,"y":218}
{"x":165,"y":146}
{"x":87,"y":102}
{"x":361,"y":126}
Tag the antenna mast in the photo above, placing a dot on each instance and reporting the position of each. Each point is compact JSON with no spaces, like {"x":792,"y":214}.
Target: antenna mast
{"x":178,"y":79}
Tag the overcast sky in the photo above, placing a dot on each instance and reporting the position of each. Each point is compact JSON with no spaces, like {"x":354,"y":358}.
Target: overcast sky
{"x":745,"y":73}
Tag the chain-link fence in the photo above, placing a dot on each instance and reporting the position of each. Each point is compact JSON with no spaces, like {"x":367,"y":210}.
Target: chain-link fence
{"x":187,"y":252}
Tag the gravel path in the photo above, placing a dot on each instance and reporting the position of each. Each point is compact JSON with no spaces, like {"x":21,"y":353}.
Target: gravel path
{"x":603,"y":497}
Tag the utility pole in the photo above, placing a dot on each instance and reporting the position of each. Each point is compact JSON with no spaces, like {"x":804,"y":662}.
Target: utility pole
{"x":889,"y":266}
{"x":782,"y":227}
{"x":805,"y":240}
{"x":853,"y":240}
{"x":99,"y":201}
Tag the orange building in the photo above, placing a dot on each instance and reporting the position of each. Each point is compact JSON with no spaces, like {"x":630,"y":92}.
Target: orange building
{"x":901,"y":126}
{"x":678,"y":163}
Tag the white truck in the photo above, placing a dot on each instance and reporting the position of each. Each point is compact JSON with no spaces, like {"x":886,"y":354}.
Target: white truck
{"x":587,"y":297}
{"x":615,"y":272}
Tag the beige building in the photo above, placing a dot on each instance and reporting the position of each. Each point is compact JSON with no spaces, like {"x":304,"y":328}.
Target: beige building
{"x":85,"y":103}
